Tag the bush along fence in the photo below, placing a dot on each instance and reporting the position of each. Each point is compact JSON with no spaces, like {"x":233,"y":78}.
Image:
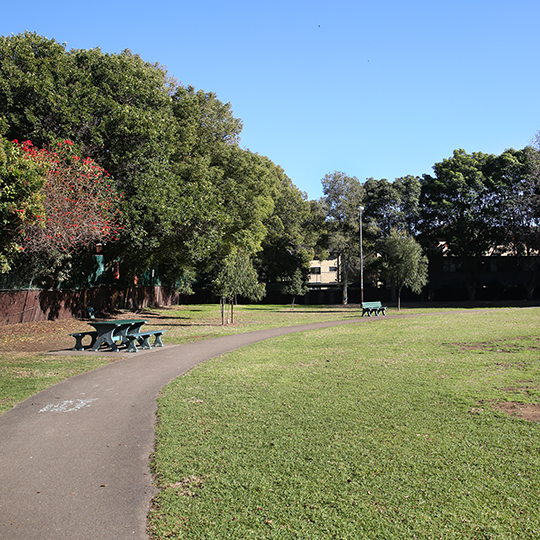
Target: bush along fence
{"x":34,"y":305}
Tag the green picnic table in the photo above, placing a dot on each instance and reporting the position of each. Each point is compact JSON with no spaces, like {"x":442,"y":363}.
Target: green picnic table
{"x":128,"y":331}
{"x":109,"y":332}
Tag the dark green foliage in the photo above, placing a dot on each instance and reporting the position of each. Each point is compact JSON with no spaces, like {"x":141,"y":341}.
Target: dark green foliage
{"x":237,"y":277}
{"x":458,"y":204}
{"x":296,"y":286}
{"x":392,"y":205}
{"x":343,"y":196}
{"x":291,"y":234}
{"x":191,"y":194}
{"x":20,"y":203}
{"x":479,"y":204}
{"x":404,"y":264}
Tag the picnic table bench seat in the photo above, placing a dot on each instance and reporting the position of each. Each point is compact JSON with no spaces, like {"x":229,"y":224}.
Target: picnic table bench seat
{"x":371,"y":308}
{"x":143,"y":339}
{"x":79,"y":336}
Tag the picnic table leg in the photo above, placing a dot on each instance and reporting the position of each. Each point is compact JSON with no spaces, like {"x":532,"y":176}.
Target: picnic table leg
{"x":107,"y":337}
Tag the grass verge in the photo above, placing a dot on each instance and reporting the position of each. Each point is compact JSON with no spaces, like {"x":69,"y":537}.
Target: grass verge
{"x":385,"y":430}
{"x":23,"y":375}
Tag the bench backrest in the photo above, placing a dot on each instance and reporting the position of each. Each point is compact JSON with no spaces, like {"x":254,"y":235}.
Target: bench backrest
{"x":371,"y":304}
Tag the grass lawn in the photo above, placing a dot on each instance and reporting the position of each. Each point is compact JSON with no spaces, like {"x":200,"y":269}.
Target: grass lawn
{"x":192,"y":323}
{"x":383,"y":430}
{"x":27,"y":366}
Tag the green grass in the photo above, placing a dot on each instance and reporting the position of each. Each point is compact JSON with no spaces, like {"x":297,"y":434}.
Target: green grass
{"x":22,"y":376}
{"x":375,"y":431}
{"x":192,"y":323}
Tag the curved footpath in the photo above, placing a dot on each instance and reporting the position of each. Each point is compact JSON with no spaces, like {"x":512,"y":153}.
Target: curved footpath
{"x":74,"y":458}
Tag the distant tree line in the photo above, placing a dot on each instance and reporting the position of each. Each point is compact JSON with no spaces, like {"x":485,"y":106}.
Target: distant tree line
{"x":472,"y":205}
{"x":110,"y":150}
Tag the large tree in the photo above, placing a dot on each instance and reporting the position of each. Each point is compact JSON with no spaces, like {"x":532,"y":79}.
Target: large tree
{"x":191,"y":193}
{"x":460,"y":211}
{"x":342,"y":198}
{"x":291,"y":232}
{"x":480,"y":204}
{"x":404,"y":263}
{"x":391,"y":205}
{"x":116,"y":108}
{"x":517,"y":190}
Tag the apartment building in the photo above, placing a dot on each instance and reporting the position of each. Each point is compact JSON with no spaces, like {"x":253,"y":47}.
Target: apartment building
{"x":323,"y":273}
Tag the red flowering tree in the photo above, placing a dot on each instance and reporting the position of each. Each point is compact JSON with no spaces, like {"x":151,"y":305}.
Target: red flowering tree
{"x":81,"y":205}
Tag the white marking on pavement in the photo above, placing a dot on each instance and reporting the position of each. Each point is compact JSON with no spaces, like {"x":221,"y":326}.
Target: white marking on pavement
{"x":68,"y":406}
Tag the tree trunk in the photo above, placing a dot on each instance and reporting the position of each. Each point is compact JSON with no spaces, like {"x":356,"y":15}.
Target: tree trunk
{"x":529,"y":267}
{"x":345,"y":280}
{"x":470,"y":271}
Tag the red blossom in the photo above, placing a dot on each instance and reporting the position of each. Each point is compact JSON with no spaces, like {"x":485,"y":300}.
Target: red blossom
{"x":72,"y":201}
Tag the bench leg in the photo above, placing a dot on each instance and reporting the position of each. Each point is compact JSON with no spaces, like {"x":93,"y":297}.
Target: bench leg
{"x":78,"y":343}
{"x":78,"y":340}
{"x":144,"y":343}
{"x":157,"y":341}
{"x":105,"y":338}
{"x":93,"y":335}
{"x":131,"y":346}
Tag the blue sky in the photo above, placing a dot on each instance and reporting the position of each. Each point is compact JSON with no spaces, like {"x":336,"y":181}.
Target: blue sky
{"x":376,"y":89}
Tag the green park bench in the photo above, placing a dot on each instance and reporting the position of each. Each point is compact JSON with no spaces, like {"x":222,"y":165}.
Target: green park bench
{"x":143,"y":338}
{"x":371,"y":308}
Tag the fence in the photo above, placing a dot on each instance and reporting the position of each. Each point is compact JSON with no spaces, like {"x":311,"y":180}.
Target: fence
{"x":41,"y":305}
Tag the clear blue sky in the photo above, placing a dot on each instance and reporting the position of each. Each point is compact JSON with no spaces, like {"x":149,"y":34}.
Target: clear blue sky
{"x":374,"y":89}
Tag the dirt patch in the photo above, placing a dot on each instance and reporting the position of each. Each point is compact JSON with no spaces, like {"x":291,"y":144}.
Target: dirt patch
{"x":47,"y":336}
{"x":510,"y":346}
{"x":43,"y":336}
{"x":525,"y":411}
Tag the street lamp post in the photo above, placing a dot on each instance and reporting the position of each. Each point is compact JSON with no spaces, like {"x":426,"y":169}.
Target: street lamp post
{"x":361,"y":260}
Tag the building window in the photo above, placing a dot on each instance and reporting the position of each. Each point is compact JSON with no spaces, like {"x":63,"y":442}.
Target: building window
{"x":315,"y":270}
{"x":449,"y":266}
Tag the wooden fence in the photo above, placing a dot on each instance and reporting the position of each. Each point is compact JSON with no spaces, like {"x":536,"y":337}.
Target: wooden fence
{"x":41,"y":305}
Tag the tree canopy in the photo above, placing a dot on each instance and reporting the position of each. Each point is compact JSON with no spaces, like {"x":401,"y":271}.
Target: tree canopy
{"x":21,"y":180}
{"x":404,"y":263}
{"x":342,"y":199}
{"x":191,"y":194}
{"x":192,"y":197}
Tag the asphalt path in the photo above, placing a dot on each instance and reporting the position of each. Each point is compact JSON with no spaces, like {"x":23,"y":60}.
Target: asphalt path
{"x":74,"y":458}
